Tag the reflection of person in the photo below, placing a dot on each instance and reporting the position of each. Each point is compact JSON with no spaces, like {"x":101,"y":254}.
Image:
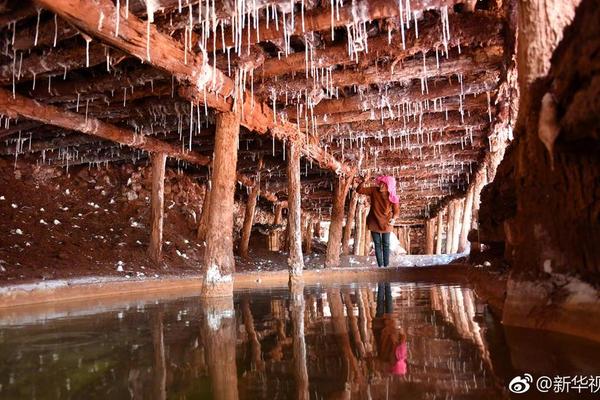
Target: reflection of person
{"x":384,"y":209}
{"x":391,"y":344}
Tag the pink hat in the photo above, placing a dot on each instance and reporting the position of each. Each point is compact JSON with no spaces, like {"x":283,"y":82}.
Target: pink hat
{"x":390,"y":182}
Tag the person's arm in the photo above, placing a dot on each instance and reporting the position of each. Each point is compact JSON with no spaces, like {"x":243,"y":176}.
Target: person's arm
{"x":396,"y":210}
{"x":361,"y":189}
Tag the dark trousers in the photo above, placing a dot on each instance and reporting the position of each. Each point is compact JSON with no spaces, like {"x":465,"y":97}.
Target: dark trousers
{"x":382,"y":248}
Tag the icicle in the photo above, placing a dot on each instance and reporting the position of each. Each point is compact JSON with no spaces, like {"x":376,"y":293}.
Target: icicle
{"x":118,"y":17}
{"x":87,"y":103}
{"x":37,"y":26}
{"x":55,"y":31}
{"x":416,"y":25}
{"x":77,"y":105}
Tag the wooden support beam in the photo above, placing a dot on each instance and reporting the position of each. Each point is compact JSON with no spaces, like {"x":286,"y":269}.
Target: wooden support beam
{"x":429,"y":235}
{"x":465,"y":30}
{"x":249,"y":215}
{"x":440,"y":232}
{"x":54,"y":62}
{"x":322,"y":19}
{"x":22,"y":126}
{"x":466,"y":220}
{"x":48,"y":33}
{"x":20,"y":106}
{"x":411,"y":94}
{"x":294,"y":227}
{"x":334,"y":243}
{"x":218,"y":258}
{"x":275,"y":236}
{"x":349,"y":226}
{"x":204,"y":84}
{"x":157,"y":204}
{"x":309,"y":235}
{"x":476,"y":61}
{"x":204,"y":215}
{"x":450,"y":226}
{"x":458,"y":211}
{"x":358,"y":234}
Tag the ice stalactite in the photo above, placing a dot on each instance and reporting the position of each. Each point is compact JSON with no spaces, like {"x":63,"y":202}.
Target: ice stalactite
{"x":37,"y":26}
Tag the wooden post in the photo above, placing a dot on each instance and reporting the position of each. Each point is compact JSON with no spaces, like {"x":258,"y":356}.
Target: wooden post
{"x":309,"y":235}
{"x":276,"y":235}
{"x":358,"y":234}
{"x":218,"y":258}
{"x":466,"y":222}
{"x":450,"y":225}
{"x":366,"y":241}
{"x":458,"y":211}
{"x":349,"y":223}
{"x":317,"y":231}
{"x":440,"y":232}
{"x":203,"y":224}
{"x":429,"y":235}
{"x":158,"y":201}
{"x":334,"y":244}
{"x":249,"y":215}
{"x":294,"y":229}
{"x":481,"y":181}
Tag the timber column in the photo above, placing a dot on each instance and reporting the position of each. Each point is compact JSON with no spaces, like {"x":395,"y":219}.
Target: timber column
{"x":440,"y":232}
{"x":349,"y":223}
{"x":158,"y":202}
{"x":249,"y":214}
{"x":429,"y":235}
{"x":218,"y":258}
{"x":334,"y":244}
{"x":294,"y":230}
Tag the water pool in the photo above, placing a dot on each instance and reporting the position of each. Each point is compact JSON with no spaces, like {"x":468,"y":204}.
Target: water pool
{"x":361,"y":341}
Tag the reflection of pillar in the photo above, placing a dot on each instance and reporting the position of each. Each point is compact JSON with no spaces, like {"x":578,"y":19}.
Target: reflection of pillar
{"x":255,"y":347}
{"x":160,"y":365}
{"x":353,"y":322}
{"x":299,"y":344}
{"x":340,"y":329}
{"x":219,"y":340}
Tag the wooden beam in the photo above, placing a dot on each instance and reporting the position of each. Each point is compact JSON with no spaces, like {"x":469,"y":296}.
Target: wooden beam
{"x":205,"y":84}
{"x":334,"y":244}
{"x":219,"y":263}
{"x":466,"y":221}
{"x":24,"y":107}
{"x":322,"y":19}
{"x":429,"y":235}
{"x":349,"y":226}
{"x":249,"y":215}
{"x":294,"y":229}
{"x":204,"y":215}
{"x":440,"y":232}
{"x":157,"y":204}
{"x":465,"y":30}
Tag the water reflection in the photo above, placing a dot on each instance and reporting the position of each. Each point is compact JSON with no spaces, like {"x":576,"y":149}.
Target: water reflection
{"x":352,"y":342}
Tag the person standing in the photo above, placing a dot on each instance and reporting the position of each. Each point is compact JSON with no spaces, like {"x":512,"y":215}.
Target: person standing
{"x":384,"y":210}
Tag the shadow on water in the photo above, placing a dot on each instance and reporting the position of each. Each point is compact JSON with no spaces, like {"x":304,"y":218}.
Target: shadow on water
{"x":361,"y":341}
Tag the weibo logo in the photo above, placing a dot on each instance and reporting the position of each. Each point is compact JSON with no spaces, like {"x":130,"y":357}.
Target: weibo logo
{"x":520,"y":384}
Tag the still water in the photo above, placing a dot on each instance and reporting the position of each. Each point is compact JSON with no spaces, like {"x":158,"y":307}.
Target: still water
{"x":363,"y":341}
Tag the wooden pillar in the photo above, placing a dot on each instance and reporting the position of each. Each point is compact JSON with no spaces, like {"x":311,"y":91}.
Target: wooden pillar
{"x":158,"y":202}
{"x":249,"y":217}
{"x":358,"y":234}
{"x":294,"y":228}
{"x":458,"y":212}
{"x":450,"y":226}
{"x":481,"y":181}
{"x":275,"y":235}
{"x":366,"y":242}
{"x":429,"y":235}
{"x":218,"y":258}
{"x":203,"y":224}
{"x":317,"y":228}
{"x":349,"y":223}
{"x":440,"y":232}
{"x":466,"y":221}
{"x":218,"y":333}
{"x":309,"y":235}
{"x":334,"y":243}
